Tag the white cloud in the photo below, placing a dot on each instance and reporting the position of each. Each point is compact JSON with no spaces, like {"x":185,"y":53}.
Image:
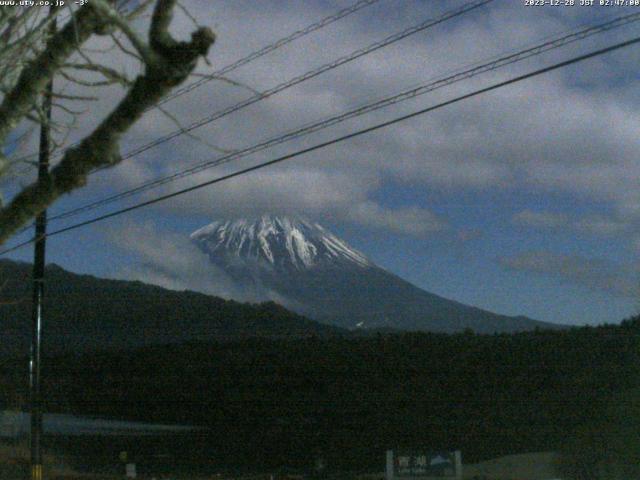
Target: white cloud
{"x":285,"y":191}
{"x":413,"y":221}
{"x":171,"y":261}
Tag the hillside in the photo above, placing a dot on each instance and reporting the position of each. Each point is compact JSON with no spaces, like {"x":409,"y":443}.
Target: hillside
{"x":85,"y":312}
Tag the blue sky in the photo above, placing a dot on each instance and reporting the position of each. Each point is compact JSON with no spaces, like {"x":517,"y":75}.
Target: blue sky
{"x":522,"y":201}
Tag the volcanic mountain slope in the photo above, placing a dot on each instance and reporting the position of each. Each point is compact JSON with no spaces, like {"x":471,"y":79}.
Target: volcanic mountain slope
{"x":312,"y":272}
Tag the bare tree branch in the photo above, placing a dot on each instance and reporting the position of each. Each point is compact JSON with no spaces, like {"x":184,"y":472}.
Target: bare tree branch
{"x":167,"y":64}
{"x":34,"y":77}
{"x":116,"y":19}
{"x":113,"y":76}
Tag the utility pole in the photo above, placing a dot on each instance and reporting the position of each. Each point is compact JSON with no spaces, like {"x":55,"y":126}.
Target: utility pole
{"x":38,"y":284}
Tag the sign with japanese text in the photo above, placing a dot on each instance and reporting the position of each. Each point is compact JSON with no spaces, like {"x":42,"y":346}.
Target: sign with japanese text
{"x":422,"y":464}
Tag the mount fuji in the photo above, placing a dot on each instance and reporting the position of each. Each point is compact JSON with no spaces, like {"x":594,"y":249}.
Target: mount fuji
{"x":303,"y":266}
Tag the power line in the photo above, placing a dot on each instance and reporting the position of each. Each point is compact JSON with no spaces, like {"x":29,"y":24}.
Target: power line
{"x":304,"y":77}
{"x":338,"y":139}
{"x":307,"y":76}
{"x":38,"y":278}
{"x":359,"y":5}
{"x":270,"y":48}
{"x":379,"y":104}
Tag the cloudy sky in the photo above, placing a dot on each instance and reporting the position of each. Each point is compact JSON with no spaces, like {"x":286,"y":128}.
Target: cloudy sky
{"x":523,"y":201}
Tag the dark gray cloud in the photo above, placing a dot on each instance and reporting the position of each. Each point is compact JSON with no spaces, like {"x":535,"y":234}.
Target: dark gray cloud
{"x":599,"y":225}
{"x":593,"y":273}
{"x":529,"y":218}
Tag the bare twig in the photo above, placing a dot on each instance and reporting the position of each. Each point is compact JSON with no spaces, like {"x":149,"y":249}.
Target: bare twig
{"x":114,"y":18}
{"x":124,"y":49}
{"x":111,"y":75}
{"x":75,"y":98}
{"x":230,"y":81}
{"x":188,"y":14}
{"x":66,"y":109}
{"x":176,"y":122}
{"x":142,"y":7}
{"x":85,"y":83}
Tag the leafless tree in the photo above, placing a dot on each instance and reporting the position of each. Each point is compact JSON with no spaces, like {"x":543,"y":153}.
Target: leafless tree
{"x":32,"y":53}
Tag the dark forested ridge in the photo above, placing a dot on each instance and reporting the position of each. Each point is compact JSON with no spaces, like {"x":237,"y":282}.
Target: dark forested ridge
{"x":274,"y":402}
{"x":84,"y":312}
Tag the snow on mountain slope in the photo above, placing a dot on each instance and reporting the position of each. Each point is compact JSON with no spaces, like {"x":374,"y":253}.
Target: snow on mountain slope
{"x":281,"y":242}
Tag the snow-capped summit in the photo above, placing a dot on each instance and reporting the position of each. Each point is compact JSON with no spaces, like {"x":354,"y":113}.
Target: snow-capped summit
{"x":284,"y":243}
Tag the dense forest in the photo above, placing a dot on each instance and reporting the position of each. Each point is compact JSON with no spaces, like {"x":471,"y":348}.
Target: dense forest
{"x":271,"y":403}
